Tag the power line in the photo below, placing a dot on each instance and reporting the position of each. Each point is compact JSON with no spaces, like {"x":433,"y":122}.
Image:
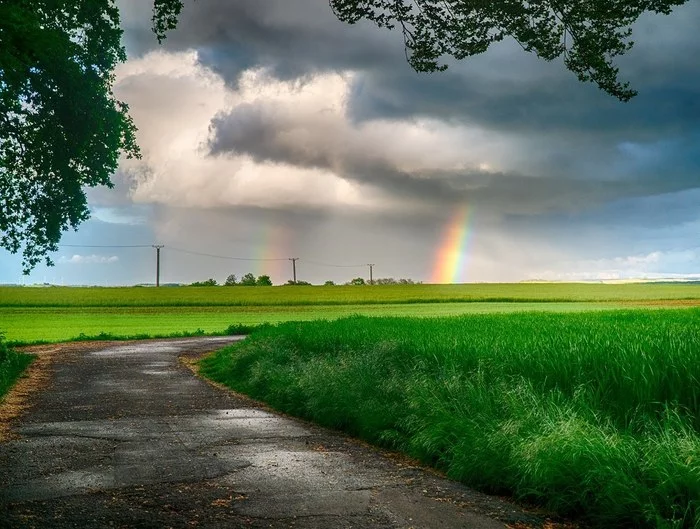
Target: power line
{"x":214,"y":256}
{"x":105,"y":245}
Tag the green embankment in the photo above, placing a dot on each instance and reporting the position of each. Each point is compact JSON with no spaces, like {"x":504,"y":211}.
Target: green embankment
{"x":593,"y":414}
{"x":12,"y":364}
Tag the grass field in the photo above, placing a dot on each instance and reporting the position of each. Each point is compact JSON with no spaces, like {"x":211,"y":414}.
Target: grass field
{"x":537,"y":390}
{"x":32,"y":324}
{"x":62,"y":313}
{"x":341,"y":295}
{"x":593,"y":414}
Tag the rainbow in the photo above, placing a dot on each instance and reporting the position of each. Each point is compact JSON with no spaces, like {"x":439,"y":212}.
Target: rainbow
{"x":272,"y":241}
{"x":450,"y":258}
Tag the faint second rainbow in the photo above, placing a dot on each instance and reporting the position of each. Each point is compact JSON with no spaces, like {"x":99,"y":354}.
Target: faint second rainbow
{"x":272,"y":241}
{"x":451,"y":256}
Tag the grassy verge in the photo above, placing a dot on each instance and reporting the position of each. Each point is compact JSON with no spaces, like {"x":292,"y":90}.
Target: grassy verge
{"x":231,"y":330}
{"x":591,"y":414}
{"x":12,"y":364}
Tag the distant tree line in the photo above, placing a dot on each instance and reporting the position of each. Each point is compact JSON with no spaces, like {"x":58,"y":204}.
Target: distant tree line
{"x":249,"y":280}
{"x":382,"y":281}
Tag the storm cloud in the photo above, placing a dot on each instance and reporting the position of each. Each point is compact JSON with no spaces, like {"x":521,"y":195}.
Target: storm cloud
{"x":273,"y":124}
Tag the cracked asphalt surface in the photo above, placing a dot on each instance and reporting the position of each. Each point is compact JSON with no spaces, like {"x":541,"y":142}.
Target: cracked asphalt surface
{"x":125,"y":435}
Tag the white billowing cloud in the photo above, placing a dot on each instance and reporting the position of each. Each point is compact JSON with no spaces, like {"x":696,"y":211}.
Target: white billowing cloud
{"x":173,"y":101}
{"x":88,"y":259}
{"x":309,"y":122}
{"x":181,"y":108}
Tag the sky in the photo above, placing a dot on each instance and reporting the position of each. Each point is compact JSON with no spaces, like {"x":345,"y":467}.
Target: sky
{"x":271,"y":130}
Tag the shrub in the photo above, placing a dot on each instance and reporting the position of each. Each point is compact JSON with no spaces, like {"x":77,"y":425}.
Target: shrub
{"x":12,"y":364}
{"x":263,"y":281}
{"x":208,"y":283}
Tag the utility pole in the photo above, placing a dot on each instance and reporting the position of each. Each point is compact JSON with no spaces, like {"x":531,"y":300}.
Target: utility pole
{"x":371,"y":279}
{"x":157,"y":247}
{"x":294,"y":267}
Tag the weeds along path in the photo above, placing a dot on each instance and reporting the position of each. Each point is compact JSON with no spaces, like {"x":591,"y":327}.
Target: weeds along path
{"x":124,"y":434}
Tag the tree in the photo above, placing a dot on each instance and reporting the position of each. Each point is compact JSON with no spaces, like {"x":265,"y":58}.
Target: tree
{"x":357,"y":281}
{"x":61,"y":128}
{"x":329,"y":284}
{"x":231,"y":280}
{"x":589,"y":34}
{"x":208,"y":283}
{"x":248,"y":280}
{"x":263,"y":281}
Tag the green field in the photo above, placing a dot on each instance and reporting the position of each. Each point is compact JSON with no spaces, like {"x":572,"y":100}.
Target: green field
{"x":341,"y":295}
{"x":593,"y":414}
{"x":61,"y":313}
{"x":538,"y":390}
{"x":65,"y":323}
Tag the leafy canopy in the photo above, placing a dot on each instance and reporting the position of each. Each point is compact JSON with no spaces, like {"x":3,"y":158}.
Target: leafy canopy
{"x":61,"y":128}
{"x":248,"y":280}
{"x":589,"y":34}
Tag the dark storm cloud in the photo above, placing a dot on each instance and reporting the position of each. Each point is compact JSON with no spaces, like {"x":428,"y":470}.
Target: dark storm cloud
{"x":558,"y":105}
{"x":292,"y":39}
{"x":504,"y":88}
{"x":586,"y":147}
{"x":269,"y":133}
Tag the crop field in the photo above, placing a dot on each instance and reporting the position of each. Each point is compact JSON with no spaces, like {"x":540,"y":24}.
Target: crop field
{"x":343,"y":295}
{"x":32,"y":324}
{"x":591,"y":414}
{"x":63,"y":313}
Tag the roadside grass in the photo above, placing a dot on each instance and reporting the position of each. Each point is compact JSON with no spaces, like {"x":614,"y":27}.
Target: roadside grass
{"x":53,"y":324}
{"x":12,"y":365}
{"x":234,"y":329}
{"x":341,"y":295}
{"x":592,"y":414}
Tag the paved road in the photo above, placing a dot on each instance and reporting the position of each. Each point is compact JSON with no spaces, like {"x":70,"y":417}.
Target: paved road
{"x":126,"y":436}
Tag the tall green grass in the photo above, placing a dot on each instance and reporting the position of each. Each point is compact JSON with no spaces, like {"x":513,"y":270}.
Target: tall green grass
{"x":594,"y":414}
{"x":12,"y":364}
